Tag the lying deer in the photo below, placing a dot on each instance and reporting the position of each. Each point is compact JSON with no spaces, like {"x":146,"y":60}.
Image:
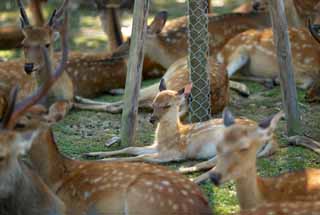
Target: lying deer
{"x":236,"y":160}
{"x":255,"y":50}
{"x":22,"y":191}
{"x":175,"y":141}
{"x":171,"y":41}
{"x":92,"y":187}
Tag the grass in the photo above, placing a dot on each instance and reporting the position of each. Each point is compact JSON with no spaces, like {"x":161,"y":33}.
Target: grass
{"x":85,"y":131}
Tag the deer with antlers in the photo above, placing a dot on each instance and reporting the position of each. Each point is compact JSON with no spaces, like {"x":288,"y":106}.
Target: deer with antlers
{"x":236,"y":160}
{"x":175,"y":141}
{"x":22,"y":191}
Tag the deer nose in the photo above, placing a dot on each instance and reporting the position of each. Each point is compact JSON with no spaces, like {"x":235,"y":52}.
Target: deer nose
{"x":153,"y":119}
{"x":28,"y":68}
{"x":215,"y":178}
{"x":256,"y":5}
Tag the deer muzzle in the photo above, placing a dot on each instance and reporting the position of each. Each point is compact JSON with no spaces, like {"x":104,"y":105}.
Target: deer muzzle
{"x":215,"y":178}
{"x":28,"y":68}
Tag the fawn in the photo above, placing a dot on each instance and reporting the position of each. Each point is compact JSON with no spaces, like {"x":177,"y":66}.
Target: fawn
{"x":255,"y":50}
{"x":22,"y":191}
{"x":175,"y":141}
{"x":236,"y":160}
{"x":93,"y":187}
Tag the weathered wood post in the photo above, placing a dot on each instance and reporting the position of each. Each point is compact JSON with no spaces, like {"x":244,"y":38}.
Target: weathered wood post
{"x":198,"y":40}
{"x":283,"y":49}
{"x":133,"y":81}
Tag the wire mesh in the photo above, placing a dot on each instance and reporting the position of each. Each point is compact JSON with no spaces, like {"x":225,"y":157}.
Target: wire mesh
{"x":199,"y":102}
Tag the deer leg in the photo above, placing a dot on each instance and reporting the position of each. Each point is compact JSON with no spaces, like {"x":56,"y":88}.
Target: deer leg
{"x":268,"y":148}
{"x":129,"y":150}
{"x":240,"y":88}
{"x":200,"y":166}
{"x":239,"y":59}
{"x":201,"y":178}
{"x":151,"y":158}
{"x":267,"y":82}
{"x":305,"y":142}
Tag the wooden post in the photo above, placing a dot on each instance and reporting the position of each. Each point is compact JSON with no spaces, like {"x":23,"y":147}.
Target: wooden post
{"x":283,"y":48}
{"x":133,"y":81}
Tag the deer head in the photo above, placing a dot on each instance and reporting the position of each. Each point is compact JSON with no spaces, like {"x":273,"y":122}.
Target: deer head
{"x":166,"y":104}
{"x":35,"y":37}
{"x":236,"y":151}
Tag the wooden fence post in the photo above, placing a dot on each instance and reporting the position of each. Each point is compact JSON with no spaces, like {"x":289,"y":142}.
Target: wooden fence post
{"x":283,"y":49}
{"x":133,"y":80}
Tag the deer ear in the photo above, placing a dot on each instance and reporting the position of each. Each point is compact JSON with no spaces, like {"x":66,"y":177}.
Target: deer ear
{"x":162,"y":85}
{"x":158,"y":23}
{"x":228,"y":118}
{"x":186,"y":90}
{"x":271,"y":122}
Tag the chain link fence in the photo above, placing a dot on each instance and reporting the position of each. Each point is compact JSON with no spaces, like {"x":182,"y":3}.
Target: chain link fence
{"x":199,"y":102}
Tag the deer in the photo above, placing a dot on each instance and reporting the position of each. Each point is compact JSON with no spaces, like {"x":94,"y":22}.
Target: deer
{"x":251,"y":55}
{"x":168,"y":37}
{"x":65,"y":89}
{"x":175,"y":141}
{"x":22,"y":191}
{"x":236,"y":160}
{"x":93,"y":187}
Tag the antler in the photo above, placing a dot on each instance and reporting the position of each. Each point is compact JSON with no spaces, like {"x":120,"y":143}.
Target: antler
{"x":13,"y":114}
{"x":313,"y":30}
{"x":24,"y":18}
{"x":57,"y":13}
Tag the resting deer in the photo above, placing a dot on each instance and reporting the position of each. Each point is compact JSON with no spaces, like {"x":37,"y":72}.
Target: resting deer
{"x":93,"y":187}
{"x":236,"y":160}
{"x":255,"y":50}
{"x":84,"y":81}
{"x":22,"y":191}
{"x":175,"y":141}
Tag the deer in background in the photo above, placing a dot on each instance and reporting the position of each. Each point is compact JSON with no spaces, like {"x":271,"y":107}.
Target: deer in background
{"x":253,"y":52}
{"x":22,"y":191}
{"x":167,"y":40}
{"x":236,"y":160}
{"x":92,"y":187}
{"x":175,"y":141}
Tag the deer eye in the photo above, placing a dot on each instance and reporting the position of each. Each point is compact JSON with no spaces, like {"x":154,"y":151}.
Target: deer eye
{"x":47,"y":45}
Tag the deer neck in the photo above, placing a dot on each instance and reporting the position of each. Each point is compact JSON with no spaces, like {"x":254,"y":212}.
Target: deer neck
{"x":168,"y":126}
{"x":47,"y":160}
{"x":62,"y":88}
{"x":248,"y":192}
